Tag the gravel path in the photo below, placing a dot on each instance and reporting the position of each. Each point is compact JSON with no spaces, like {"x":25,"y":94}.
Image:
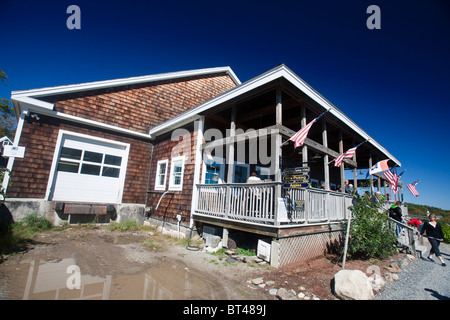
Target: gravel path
{"x":421,"y":279}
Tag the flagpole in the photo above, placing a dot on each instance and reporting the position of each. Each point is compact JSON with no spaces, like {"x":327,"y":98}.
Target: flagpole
{"x":287,"y":141}
{"x":347,"y":150}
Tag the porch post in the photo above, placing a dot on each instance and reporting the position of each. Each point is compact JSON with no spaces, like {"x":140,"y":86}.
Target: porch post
{"x":341,"y":168}
{"x":355,"y":171}
{"x":370,"y":177}
{"x":304,"y":147}
{"x":230,"y":146}
{"x":197,"y":168}
{"x":325,"y":158}
{"x":278,"y":112}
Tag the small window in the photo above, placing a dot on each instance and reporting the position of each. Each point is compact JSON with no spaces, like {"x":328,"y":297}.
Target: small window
{"x":113,"y":160}
{"x":90,"y":169}
{"x":68,"y":166}
{"x":111,"y":172}
{"x":176,"y":174}
{"x":161,"y":173}
{"x":70,"y":153}
{"x":93,"y":156}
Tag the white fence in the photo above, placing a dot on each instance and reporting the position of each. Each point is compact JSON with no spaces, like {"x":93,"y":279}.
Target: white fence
{"x":257,"y":203}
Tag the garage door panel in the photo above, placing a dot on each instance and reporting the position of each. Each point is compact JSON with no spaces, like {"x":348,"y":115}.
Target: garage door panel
{"x":89,"y":170}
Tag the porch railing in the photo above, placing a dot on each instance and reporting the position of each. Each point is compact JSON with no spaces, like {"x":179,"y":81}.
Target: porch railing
{"x":258,"y":203}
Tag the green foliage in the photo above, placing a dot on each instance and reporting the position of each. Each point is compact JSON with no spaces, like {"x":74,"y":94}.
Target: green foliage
{"x":35,"y":223}
{"x":7,"y":118}
{"x":129,"y":225}
{"x":14,"y":237}
{"x":446,"y":231}
{"x":370,"y":236}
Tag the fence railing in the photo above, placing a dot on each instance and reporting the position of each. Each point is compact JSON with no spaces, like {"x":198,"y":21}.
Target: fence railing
{"x":405,"y":235}
{"x":258,"y":203}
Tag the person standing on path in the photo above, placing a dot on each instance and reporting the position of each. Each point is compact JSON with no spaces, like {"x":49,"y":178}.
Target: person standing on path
{"x":435,"y":237}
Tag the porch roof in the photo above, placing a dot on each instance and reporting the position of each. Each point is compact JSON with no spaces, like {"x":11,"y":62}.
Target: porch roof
{"x":281,"y":72}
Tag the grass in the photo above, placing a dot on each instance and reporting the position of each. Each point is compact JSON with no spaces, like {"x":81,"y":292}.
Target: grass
{"x":15,"y":237}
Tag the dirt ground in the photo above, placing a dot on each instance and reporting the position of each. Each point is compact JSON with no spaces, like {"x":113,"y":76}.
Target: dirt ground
{"x":118,"y":265}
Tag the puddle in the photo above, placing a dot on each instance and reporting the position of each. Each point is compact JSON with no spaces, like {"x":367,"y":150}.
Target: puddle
{"x":62,"y":279}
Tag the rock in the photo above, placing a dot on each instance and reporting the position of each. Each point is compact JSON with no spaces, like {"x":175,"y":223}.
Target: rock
{"x":377,"y":282}
{"x":257,"y":281}
{"x":273,"y":292}
{"x":301,"y":288}
{"x":352,"y":285}
{"x":270,"y":283}
{"x":301,"y":295}
{"x":284,"y":294}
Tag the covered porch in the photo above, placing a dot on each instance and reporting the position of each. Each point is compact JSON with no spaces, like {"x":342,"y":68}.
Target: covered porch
{"x":247,"y":129}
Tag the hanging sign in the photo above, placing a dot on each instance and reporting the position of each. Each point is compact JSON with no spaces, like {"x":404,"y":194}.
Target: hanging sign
{"x":299,"y":205}
{"x":298,"y":170}
{"x":13,"y":151}
{"x":296,"y":185}
{"x":296,"y":177}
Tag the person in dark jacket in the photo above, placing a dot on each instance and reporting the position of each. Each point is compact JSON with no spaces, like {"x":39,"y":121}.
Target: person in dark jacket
{"x":435,"y":236}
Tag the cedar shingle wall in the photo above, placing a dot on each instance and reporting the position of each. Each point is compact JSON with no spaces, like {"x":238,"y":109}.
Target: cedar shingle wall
{"x":30,"y":175}
{"x":134,"y":107}
{"x":140,"y":107}
{"x":165,"y":148}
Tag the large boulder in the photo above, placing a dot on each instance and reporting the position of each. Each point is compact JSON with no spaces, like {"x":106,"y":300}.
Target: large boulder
{"x":352,"y":285}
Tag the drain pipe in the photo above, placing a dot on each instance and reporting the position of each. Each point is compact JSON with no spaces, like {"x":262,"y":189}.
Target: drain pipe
{"x":179,"y":220}
{"x":160,"y":200}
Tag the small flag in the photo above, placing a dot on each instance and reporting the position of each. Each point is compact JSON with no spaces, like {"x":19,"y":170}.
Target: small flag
{"x":380,"y":166}
{"x":391,"y":176}
{"x":300,"y":136}
{"x":412,"y":188}
{"x":346,"y":155}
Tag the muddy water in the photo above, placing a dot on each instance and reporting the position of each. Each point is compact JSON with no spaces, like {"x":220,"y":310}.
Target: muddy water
{"x":62,"y":279}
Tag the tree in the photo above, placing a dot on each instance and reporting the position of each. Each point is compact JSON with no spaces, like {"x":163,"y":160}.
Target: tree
{"x":7,"y":118}
{"x":370,"y":235}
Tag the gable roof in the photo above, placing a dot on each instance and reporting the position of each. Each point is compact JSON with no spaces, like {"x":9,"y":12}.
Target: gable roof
{"x":281,"y":71}
{"x":31,"y":99}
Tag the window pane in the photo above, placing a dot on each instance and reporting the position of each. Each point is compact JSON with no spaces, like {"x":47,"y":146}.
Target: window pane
{"x":93,"y":156}
{"x":68,"y":166}
{"x":212,"y":173}
{"x":113,"y":160}
{"x":70,"y":153}
{"x":111,"y":172}
{"x":90,"y":169}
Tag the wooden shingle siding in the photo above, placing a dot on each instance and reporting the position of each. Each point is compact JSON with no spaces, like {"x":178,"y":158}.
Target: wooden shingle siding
{"x":30,"y":175}
{"x":134,"y":107}
{"x":140,"y":107}
{"x":174,"y":202}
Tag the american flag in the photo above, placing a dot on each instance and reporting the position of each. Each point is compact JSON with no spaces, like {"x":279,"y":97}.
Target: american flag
{"x":346,"y":155}
{"x":412,"y":188}
{"x":300,"y":136}
{"x":391,"y":176}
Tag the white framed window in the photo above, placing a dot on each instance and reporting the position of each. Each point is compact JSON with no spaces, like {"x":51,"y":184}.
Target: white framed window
{"x":161,"y":174}
{"x":176,"y":173}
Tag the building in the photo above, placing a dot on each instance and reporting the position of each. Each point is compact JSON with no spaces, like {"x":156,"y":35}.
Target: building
{"x":177,"y":148}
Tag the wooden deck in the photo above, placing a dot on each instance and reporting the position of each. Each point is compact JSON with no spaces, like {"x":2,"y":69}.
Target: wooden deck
{"x":255,"y":208}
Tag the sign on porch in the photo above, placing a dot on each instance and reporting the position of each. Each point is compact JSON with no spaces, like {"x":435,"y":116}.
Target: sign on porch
{"x":296,"y":178}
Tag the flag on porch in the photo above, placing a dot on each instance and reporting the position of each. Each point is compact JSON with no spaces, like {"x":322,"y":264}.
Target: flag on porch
{"x":412,"y":188}
{"x":346,"y":155}
{"x":300,"y":136}
{"x":392,"y":177}
{"x":379,"y":166}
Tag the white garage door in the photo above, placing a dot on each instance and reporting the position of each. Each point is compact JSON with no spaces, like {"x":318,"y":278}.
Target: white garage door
{"x":89,"y":170}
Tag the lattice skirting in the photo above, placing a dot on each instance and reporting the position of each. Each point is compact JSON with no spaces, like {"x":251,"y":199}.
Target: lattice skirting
{"x":298,"y":248}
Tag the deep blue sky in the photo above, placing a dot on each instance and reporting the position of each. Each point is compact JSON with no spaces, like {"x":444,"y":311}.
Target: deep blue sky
{"x":392,"y":82}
